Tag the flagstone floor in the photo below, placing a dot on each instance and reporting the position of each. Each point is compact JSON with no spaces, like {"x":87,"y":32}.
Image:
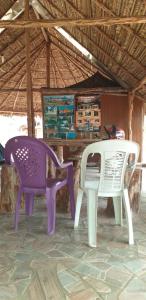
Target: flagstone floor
{"x":34,"y":266}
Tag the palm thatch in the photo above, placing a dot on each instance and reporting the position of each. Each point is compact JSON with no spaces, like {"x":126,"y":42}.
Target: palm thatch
{"x":118,"y":52}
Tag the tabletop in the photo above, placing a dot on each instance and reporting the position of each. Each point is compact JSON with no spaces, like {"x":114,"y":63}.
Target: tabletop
{"x":71,"y":143}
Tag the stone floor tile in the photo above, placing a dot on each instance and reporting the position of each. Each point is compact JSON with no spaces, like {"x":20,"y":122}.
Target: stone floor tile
{"x":8,"y":292}
{"x":87,"y":294}
{"x":135,"y":290}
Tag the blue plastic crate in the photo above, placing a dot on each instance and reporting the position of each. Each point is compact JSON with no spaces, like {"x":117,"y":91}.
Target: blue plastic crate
{"x":71,"y":135}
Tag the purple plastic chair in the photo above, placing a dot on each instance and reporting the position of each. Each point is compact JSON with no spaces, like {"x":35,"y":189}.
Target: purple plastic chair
{"x":30,"y":158}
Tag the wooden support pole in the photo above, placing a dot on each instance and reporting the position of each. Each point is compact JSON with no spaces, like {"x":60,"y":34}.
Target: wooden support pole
{"x":107,"y":21}
{"x":48,"y":62}
{"x":42,"y":29}
{"x":130,"y":103}
{"x":57,"y":69}
{"x":30,"y":112}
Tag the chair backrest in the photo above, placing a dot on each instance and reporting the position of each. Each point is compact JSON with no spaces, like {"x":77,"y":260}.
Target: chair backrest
{"x":30,"y":158}
{"x":115,"y":156}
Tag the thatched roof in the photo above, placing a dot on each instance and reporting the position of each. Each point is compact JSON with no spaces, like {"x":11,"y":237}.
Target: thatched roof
{"x":117,"y":52}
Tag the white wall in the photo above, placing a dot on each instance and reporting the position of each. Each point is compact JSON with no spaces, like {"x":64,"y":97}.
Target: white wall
{"x":16,"y":125}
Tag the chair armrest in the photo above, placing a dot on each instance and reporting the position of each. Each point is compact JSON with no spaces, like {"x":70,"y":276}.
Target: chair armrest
{"x":69,"y":169}
{"x":55,"y":159}
{"x":66,"y":165}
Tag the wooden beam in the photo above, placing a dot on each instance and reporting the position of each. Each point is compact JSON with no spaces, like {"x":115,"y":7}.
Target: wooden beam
{"x":20,"y":90}
{"x":54,"y":73}
{"x":8,"y":112}
{"x":58,"y":70}
{"x":67,"y":64}
{"x":42,"y":29}
{"x":30,"y":113}
{"x":17,"y":95}
{"x":140,"y":84}
{"x":107,"y":21}
{"x":80,"y":91}
{"x":140,"y":97}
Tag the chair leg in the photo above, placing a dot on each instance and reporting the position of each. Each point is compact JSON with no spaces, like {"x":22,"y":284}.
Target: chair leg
{"x":78,"y":207}
{"x":51,"y":208}
{"x":129,"y":216}
{"x":29,"y":203}
{"x":70,"y":185}
{"x":117,"y":201}
{"x":92,"y":217}
{"x":17,"y":207}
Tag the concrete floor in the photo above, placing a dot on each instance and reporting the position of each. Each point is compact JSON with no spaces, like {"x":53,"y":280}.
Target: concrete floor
{"x":38,"y":267}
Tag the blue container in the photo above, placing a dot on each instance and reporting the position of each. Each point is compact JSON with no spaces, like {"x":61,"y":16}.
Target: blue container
{"x":71,"y":135}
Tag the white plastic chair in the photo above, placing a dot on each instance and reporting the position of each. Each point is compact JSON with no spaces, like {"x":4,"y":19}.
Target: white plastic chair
{"x":109,"y":182}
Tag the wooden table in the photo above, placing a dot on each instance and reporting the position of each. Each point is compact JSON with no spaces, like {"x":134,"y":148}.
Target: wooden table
{"x":74,"y":143}
{"x":76,"y":147}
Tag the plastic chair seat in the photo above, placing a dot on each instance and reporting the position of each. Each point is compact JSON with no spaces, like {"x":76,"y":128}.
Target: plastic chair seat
{"x":92,"y":178}
{"x":92,"y":184}
{"x":51,"y":182}
{"x":56,"y":182}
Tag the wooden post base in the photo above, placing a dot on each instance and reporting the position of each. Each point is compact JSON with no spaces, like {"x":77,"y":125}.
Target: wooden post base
{"x":9,"y":188}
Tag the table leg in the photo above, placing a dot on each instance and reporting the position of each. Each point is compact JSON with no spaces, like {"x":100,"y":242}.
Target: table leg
{"x":76,"y":177}
{"x":60,"y":153}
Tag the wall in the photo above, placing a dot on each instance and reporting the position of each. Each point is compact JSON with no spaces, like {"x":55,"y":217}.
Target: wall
{"x":114,"y":110}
